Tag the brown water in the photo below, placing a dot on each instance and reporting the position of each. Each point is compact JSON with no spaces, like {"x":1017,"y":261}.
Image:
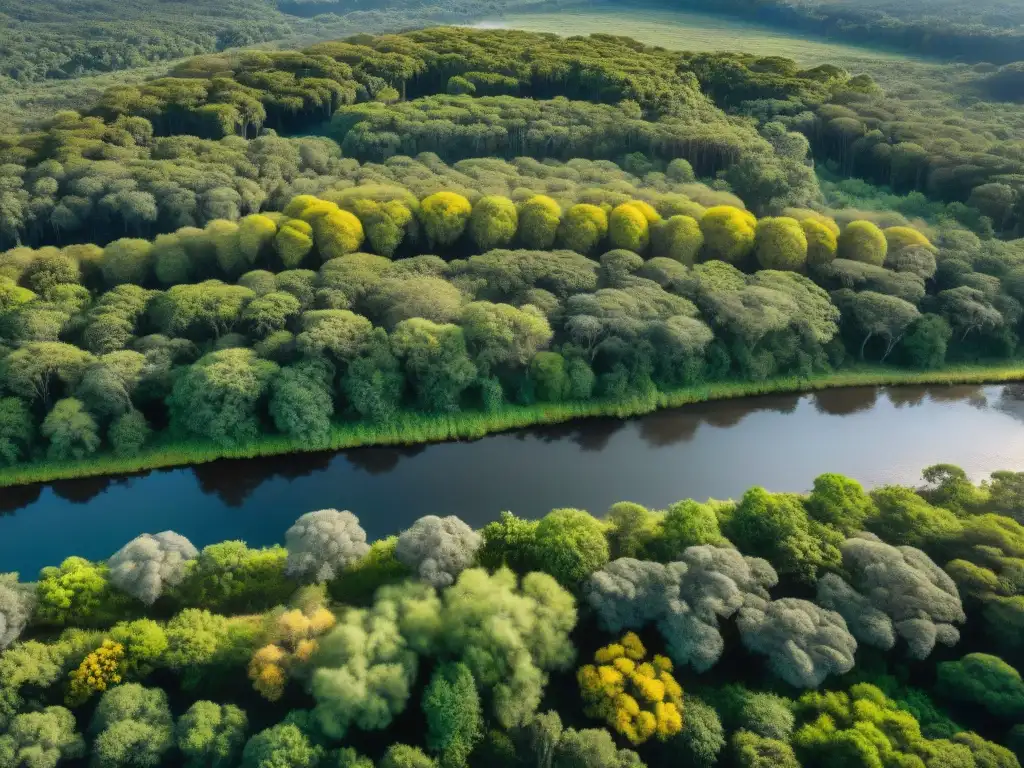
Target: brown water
{"x":716,"y":449}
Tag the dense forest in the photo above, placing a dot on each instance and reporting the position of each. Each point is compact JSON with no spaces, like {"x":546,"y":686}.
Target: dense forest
{"x":839,"y":627}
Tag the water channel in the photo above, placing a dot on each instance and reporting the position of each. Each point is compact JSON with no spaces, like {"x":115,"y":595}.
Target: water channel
{"x":715,"y":449}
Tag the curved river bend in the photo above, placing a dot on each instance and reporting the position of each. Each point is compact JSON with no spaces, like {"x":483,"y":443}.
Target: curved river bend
{"x":715,"y":449}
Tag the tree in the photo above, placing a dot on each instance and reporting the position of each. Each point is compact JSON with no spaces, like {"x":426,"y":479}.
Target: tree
{"x":549,"y":376}
{"x":233,"y":578}
{"x":16,"y":430}
{"x":822,"y":242}
{"x":493,"y":222}
{"x":323,"y":544}
{"x":210,"y":735}
{"x":985,"y":681}
{"x":128,"y":433}
{"x":71,"y":431}
{"x":293,"y":242}
{"x":539,"y":218}
{"x":17,"y":602}
{"x":337,"y":233}
{"x":454,"y":718}
{"x":200,"y":310}
{"x":438,"y":549}
{"x":133,"y":727}
{"x":436,"y":362}
{"x":777,"y":527}
{"x":500,"y":335}
{"x":582,"y":228}
{"x":840,"y":502}
{"x":41,"y":739}
{"x":904,"y":518}
{"x":570,"y":545}
{"x":217,"y":397}
{"x":270,"y":312}
{"x":895,"y":592}
{"x":679,"y":238}
{"x":702,"y":736}
{"x":640,"y":700}
{"x":144,"y":643}
{"x":404,"y":756}
{"x":729,"y":233}
{"x":753,"y":751}
{"x":864,"y":242}
{"x":99,"y":671}
{"x":926,"y":341}
{"x":78,"y":593}
{"x":127,"y":261}
{"x":803,"y":642}
{"x":591,"y":748}
{"x":628,"y":228}
{"x":685,"y":524}
{"x":35,"y":370}
{"x":338,"y":334}
{"x":780,"y":243}
{"x":968,"y":309}
{"x":149,"y":565}
{"x":282,"y":746}
{"x":444,"y":216}
{"x":301,"y":402}
{"x":879,"y":315}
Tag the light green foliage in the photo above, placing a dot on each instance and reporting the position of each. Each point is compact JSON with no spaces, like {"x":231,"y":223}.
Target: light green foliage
{"x":144,"y":643}
{"x":822,"y":242}
{"x":200,"y":310}
{"x":454,"y":721}
{"x":210,"y":735}
{"x":282,"y":746}
{"x":864,"y":242}
{"x":570,"y":545}
{"x":128,"y":433}
{"x":41,"y":740}
{"x":132,"y":726}
{"x":493,"y":223}
{"x":840,"y":502}
{"x":217,"y":397}
{"x":781,"y":243}
{"x":444,"y":216}
{"x":337,"y":233}
{"x":127,"y":261}
{"x":77,"y":593}
{"x":593,"y":748}
{"x":378,"y":567}
{"x":404,"y":756}
{"x":583,"y":227}
{"x":729,"y":233}
{"x":337,"y":334}
{"x":679,"y":238}
{"x":685,"y":524}
{"x":776,"y":526}
{"x":539,"y":218}
{"x":905,"y":518}
{"x":37,"y":371}
{"x":386,"y":223}
{"x":549,"y":376}
{"x":499,"y":335}
{"x":631,"y":529}
{"x":753,"y":751}
{"x":194,"y":638}
{"x":293,"y":242}
{"x":628,"y":228}
{"x":233,"y":578}
{"x":256,"y":237}
{"x":983,"y":680}
{"x":171,"y":262}
{"x":509,"y":636}
{"x":900,"y":238}
{"x":509,"y":543}
{"x":270,"y":312}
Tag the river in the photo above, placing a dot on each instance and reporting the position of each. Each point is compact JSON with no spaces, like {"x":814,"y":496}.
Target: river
{"x":715,"y":449}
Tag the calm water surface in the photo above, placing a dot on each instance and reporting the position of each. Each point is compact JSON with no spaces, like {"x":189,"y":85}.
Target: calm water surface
{"x":708,"y":450}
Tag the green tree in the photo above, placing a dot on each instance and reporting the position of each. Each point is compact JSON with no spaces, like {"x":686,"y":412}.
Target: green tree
{"x":404,"y":756}
{"x":70,"y":430}
{"x":17,"y":431}
{"x":128,"y":433}
{"x":628,"y":228}
{"x":270,"y":312}
{"x":570,"y":545}
{"x":926,"y":341}
{"x":679,"y":238}
{"x":840,"y":502}
{"x":233,"y":578}
{"x":500,"y":335}
{"x":133,"y":727}
{"x":864,"y":242}
{"x":293,"y":242}
{"x":539,"y":218}
{"x":211,"y":735}
{"x":493,"y":222}
{"x":127,"y":261}
{"x":729,"y":233}
{"x":301,"y":404}
{"x":985,"y":681}
{"x":582,"y":228}
{"x":435,"y":361}
{"x":282,"y":746}
{"x":77,"y":593}
{"x":444,"y":216}
{"x":37,"y":371}
{"x":454,"y":719}
{"x":780,"y":243}
{"x":218,"y":397}
{"x":822,"y":242}
{"x":41,"y":739}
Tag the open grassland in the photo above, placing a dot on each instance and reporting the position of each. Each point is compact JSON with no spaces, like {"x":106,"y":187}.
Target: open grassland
{"x":688,"y":31}
{"x":413,"y":428}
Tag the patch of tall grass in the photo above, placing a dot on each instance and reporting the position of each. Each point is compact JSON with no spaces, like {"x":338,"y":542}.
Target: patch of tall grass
{"x":411,"y":428}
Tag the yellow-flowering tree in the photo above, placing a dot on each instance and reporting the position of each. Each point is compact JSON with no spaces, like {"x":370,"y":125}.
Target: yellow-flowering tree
{"x":292,"y":641}
{"x":98,"y":671}
{"x":637,"y":698}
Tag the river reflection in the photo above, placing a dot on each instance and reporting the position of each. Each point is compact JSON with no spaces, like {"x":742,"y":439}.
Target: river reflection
{"x":712,"y":449}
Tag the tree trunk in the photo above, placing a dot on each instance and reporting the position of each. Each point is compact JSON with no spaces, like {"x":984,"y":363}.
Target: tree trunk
{"x":864,"y":344}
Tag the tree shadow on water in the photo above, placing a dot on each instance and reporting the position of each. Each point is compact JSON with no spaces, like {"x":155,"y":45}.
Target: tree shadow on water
{"x":381,"y":460}
{"x":233,"y":481}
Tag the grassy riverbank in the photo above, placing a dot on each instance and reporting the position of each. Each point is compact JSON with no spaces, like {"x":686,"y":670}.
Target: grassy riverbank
{"x":412,"y":428}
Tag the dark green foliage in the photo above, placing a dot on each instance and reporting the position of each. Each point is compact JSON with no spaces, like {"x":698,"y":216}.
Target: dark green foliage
{"x":454,"y":721}
{"x":983,"y":680}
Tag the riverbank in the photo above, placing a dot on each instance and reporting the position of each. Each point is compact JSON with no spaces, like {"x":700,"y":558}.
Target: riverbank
{"x":417,"y":428}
